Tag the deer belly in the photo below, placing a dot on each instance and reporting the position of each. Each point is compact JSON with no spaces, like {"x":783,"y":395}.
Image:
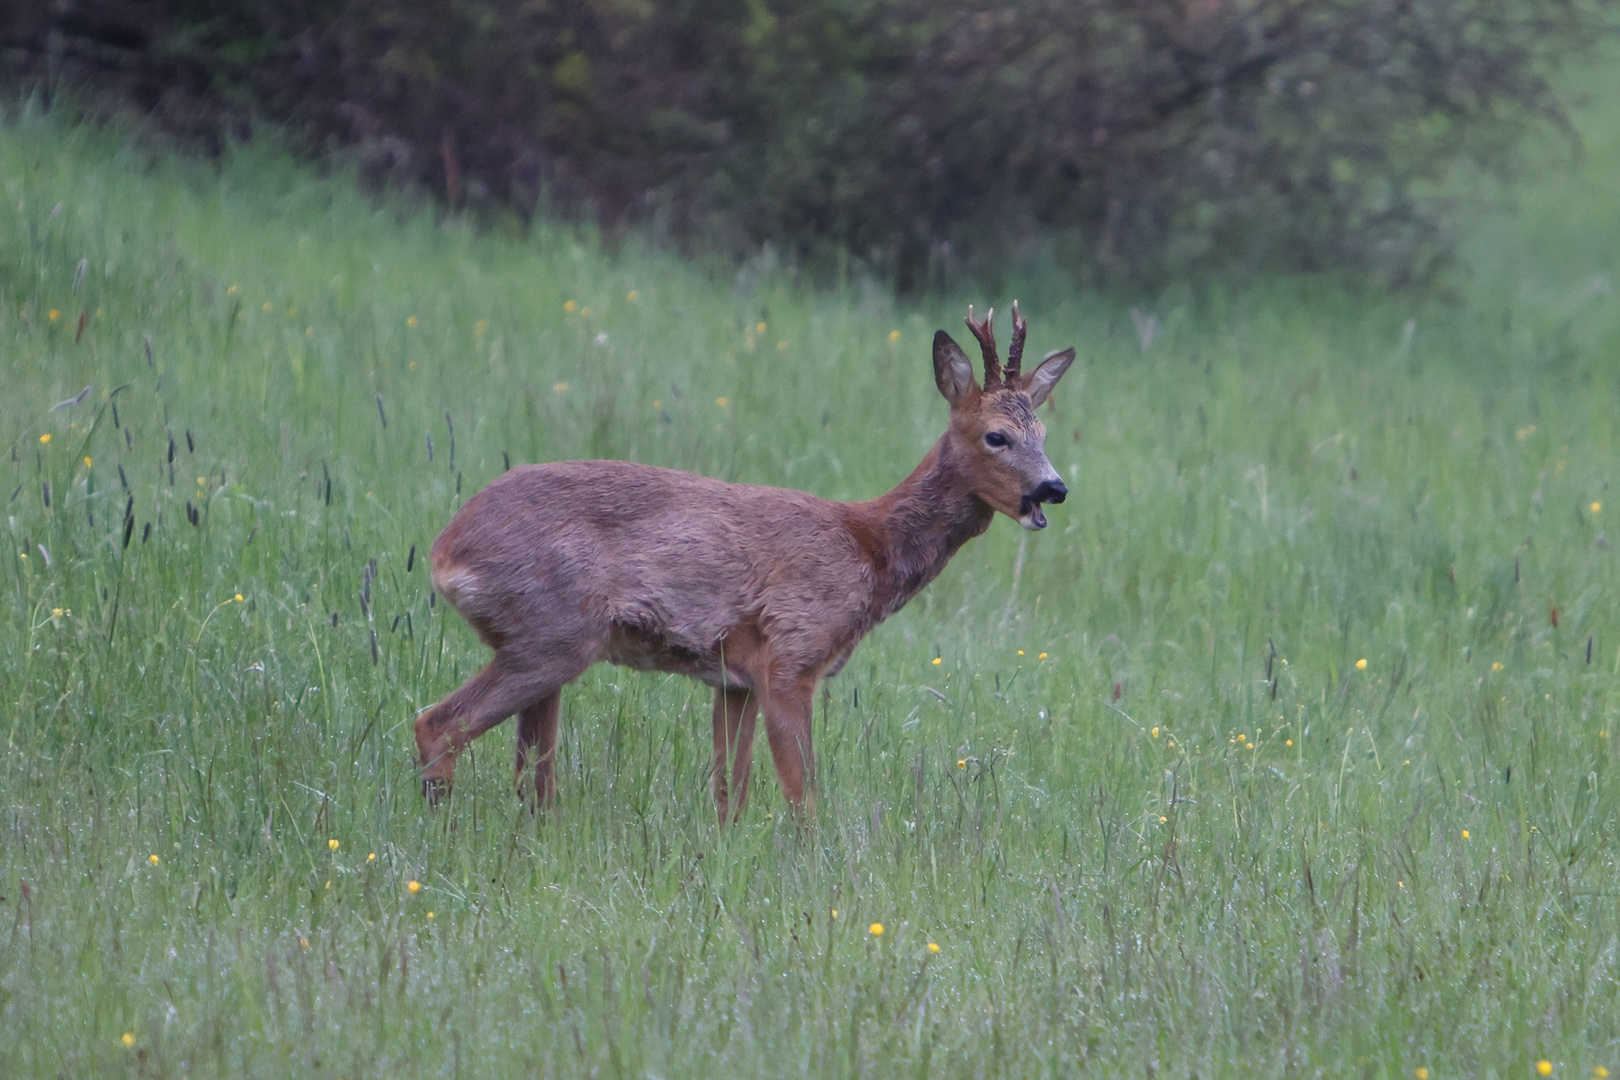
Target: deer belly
{"x":643,"y":650}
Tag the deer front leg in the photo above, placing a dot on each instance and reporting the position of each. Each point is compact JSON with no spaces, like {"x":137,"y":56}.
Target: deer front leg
{"x":789,"y":704}
{"x":735,"y":709}
{"x":537,"y":739}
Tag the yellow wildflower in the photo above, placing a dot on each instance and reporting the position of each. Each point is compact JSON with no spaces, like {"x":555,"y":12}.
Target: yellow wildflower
{"x":876,"y":929}
{"x":128,"y":1038}
{"x":933,"y":946}
{"x":1497,"y":665}
{"x":835,"y":913}
{"x":1544,"y":1067}
{"x":239,"y":598}
{"x":54,"y":315}
{"x":1597,"y":508}
{"x":759,"y":328}
{"x":333,"y":844}
{"x":1361,"y":665}
{"x":1041,"y":657}
{"x":1421,"y":1073}
{"x":372,"y":857}
{"x":961,"y":763}
{"x":153,"y":859}
{"x":1020,"y":652}
{"x":430,"y":914}
{"x":570,"y":307}
{"x":936,"y":661}
{"x":1154,"y":733}
{"x":894,"y":335}
{"x":410,"y":321}
{"x":45,"y":438}
{"x":87,"y":461}
{"x":413,"y":887}
{"x":1465,"y":834}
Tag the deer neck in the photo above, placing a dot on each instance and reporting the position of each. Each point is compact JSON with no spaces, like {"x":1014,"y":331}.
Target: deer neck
{"x":912,"y":532}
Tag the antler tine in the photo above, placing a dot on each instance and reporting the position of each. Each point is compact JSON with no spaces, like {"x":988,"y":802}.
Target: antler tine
{"x":1015,"y":351}
{"x":986,"y":335}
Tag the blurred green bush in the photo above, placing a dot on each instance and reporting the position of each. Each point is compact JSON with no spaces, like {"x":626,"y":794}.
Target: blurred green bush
{"x":1142,"y":138}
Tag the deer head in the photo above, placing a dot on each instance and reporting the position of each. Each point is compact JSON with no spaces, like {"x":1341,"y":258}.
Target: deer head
{"x":994,"y":434}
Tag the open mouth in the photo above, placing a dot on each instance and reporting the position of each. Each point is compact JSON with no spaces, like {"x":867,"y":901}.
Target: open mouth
{"x":1029,"y":506}
{"x":1029,"y":513}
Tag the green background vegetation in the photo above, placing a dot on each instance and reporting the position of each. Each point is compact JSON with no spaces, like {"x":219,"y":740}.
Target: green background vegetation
{"x":932,"y":142}
{"x":1288,"y":480}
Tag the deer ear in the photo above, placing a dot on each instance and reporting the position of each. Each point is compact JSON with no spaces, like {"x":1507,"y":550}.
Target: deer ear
{"x":1038,"y":383}
{"x":952,"y":372}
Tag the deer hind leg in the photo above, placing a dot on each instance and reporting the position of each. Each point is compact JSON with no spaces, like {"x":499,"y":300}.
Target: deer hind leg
{"x":735,"y":710}
{"x":483,"y":701}
{"x":537,"y":738}
{"x":788,"y":706}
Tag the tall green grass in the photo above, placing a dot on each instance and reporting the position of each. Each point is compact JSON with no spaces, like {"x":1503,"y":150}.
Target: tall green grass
{"x":1130,"y":774}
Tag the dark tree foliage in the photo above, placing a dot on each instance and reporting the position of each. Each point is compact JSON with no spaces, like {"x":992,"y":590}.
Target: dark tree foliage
{"x":1154,"y":136}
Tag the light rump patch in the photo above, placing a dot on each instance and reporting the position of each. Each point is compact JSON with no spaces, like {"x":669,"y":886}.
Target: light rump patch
{"x":759,"y":592}
{"x":456,"y":584}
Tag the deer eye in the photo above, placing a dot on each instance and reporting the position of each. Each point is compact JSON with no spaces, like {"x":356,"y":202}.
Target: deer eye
{"x":995,"y":439}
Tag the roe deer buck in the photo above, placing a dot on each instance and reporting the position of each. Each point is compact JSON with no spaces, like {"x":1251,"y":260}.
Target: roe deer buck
{"x":759,"y":592}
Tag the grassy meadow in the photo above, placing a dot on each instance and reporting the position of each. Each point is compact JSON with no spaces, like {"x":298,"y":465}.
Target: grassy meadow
{"x":1285,"y":751}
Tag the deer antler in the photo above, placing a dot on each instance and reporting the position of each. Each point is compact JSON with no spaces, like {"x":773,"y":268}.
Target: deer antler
{"x":987,"y":345}
{"x":1015,"y":351}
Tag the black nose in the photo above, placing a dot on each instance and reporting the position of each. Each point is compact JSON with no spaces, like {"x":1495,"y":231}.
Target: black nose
{"x":1050,"y":491}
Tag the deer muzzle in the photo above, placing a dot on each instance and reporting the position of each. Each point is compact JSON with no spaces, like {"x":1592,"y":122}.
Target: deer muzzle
{"x":1029,"y":507}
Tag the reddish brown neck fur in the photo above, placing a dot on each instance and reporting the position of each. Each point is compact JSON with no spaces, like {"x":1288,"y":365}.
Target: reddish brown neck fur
{"x":910,"y":533}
